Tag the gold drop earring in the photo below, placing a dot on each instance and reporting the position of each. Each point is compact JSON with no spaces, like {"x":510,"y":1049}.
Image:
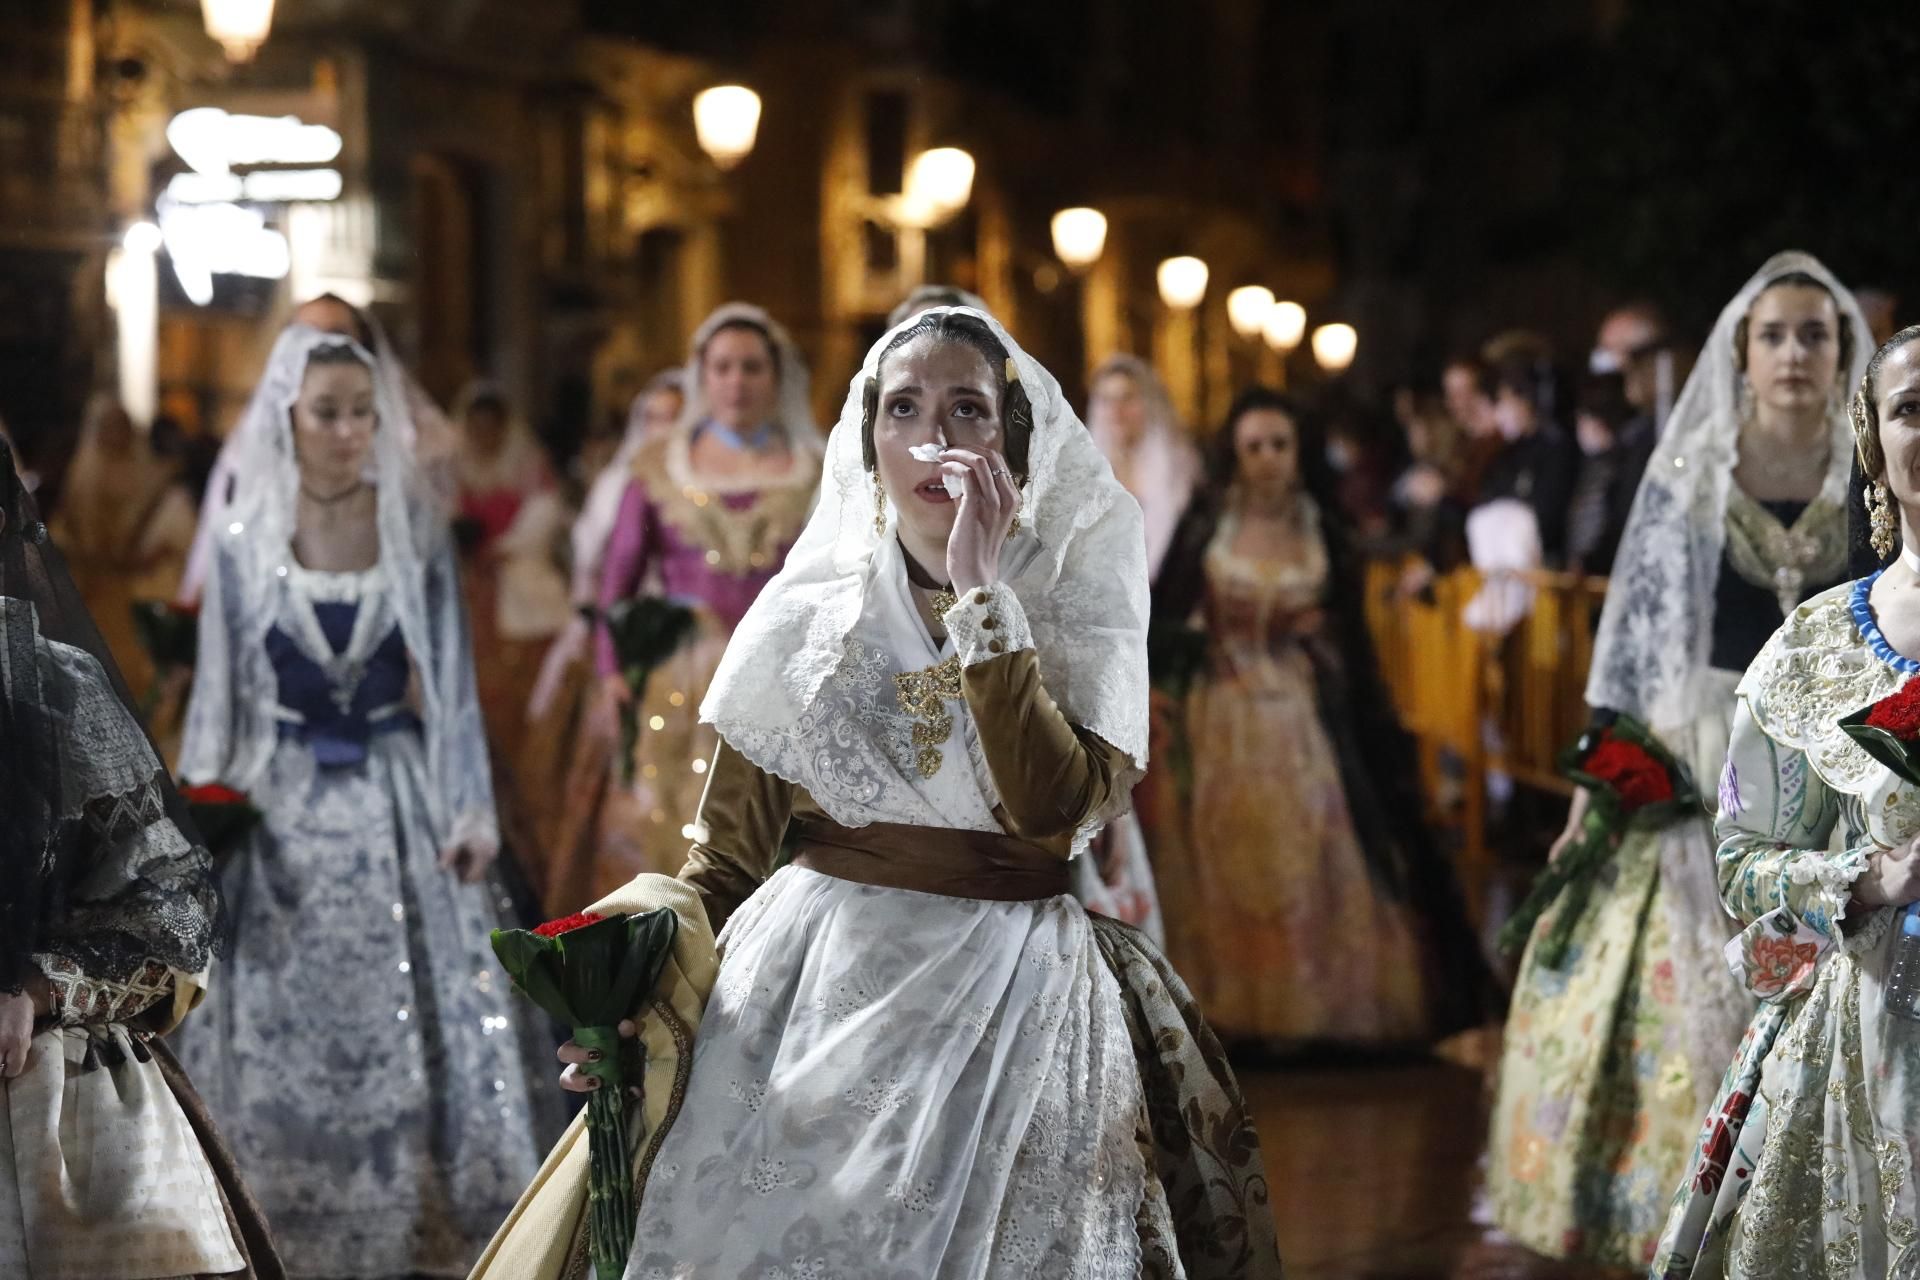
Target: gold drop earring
{"x":1882,"y":529}
{"x":879,"y":507}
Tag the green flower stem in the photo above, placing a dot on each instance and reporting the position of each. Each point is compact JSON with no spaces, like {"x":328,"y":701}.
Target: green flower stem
{"x":610,"y":1209}
{"x":1572,"y":875}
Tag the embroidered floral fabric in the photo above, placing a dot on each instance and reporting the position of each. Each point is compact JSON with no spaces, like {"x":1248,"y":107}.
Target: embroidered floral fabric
{"x":1804,"y":1168}
{"x":358,"y":958}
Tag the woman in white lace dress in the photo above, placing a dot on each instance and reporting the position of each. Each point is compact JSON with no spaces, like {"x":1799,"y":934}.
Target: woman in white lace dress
{"x":922,"y":1057}
{"x":362,"y":1052}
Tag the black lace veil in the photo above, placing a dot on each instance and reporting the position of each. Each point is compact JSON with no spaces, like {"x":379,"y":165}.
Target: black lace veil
{"x":99,"y":861}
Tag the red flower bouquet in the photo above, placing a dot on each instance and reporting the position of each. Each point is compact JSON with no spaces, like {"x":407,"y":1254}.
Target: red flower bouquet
{"x":1889,"y":731}
{"x":1632,"y":783}
{"x":224,"y":816}
{"x":589,"y":972}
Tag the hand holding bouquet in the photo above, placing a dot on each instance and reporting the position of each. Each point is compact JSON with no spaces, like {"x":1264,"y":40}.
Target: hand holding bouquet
{"x":645,"y":631}
{"x":1633,"y":783}
{"x":170,"y":634}
{"x":589,"y":972}
{"x":1889,"y":731}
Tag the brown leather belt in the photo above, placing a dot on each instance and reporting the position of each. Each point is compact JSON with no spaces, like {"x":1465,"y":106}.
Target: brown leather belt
{"x":983,"y":865}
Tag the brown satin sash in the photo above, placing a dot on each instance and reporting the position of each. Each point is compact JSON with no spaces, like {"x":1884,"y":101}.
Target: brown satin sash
{"x":983,"y":865}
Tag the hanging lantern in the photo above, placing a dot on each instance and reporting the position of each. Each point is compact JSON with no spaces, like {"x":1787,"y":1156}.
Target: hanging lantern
{"x":1079,"y":237}
{"x":1285,"y":324}
{"x":726,"y":120}
{"x":1333,"y":347}
{"x":1247,"y":309}
{"x":1183,"y":282}
{"x":240,"y":26}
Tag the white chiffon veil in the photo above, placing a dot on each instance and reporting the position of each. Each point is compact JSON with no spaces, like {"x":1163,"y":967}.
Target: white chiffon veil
{"x":1077,"y":566}
{"x":1652,"y":650}
{"x":230,"y":728}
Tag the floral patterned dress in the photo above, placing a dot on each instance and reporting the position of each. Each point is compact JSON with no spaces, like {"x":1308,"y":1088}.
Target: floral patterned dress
{"x":712,"y":547}
{"x":1804,"y":1167}
{"x":1610,"y":1059}
{"x":1273,"y":914}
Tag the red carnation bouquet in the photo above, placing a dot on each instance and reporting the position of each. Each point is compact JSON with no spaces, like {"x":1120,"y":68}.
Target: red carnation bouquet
{"x":589,"y":972}
{"x":1889,"y":731}
{"x":1633,"y":783}
{"x":224,"y":816}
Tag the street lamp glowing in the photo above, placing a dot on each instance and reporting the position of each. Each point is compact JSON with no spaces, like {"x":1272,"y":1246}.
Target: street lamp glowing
{"x":939,"y":184}
{"x":1247,"y":309}
{"x":726,"y":119}
{"x":1284,"y":325}
{"x":1079,"y":237}
{"x":1183,"y":282}
{"x":240,"y":26}
{"x":1333,"y":347}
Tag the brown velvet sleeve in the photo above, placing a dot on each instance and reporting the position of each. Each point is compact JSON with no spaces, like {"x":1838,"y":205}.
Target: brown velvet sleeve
{"x":743,"y":817}
{"x":1051,"y":774}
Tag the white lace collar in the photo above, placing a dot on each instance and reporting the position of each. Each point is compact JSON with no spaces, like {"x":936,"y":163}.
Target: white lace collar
{"x":1818,"y":667}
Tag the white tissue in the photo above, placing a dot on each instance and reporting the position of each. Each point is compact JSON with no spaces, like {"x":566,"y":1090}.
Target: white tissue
{"x":956,"y":485}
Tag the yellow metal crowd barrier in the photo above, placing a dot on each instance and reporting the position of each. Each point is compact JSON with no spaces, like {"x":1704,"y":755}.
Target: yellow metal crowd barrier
{"x":1479,"y":704}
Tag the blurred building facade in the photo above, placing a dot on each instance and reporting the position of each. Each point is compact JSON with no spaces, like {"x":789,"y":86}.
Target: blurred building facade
{"x":522,"y":196}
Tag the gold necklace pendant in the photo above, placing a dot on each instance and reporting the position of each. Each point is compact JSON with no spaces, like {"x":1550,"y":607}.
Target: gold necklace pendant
{"x":923,"y":695}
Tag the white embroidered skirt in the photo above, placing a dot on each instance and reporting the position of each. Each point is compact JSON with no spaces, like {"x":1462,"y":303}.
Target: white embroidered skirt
{"x":889,"y":1083}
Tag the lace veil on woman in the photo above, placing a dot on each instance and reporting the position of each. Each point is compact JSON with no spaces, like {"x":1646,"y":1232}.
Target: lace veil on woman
{"x":342,"y":700}
{"x":922,"y":1057}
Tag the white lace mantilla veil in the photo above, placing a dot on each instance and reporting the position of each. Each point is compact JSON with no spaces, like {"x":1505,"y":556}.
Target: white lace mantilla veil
{"x":428,"y":436}
{"x":794,"y":408}
{"x":230,"y":729}
{"x":1077,"y":565}
{"x":1650,"y":656}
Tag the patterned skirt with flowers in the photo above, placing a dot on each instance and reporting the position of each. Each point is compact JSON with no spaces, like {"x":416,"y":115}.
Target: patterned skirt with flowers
{"x":1597,"y":1110}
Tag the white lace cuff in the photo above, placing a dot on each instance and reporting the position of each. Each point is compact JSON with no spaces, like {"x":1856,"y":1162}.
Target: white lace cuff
{"x":1832,"y":880}
{"x":986,"y":623}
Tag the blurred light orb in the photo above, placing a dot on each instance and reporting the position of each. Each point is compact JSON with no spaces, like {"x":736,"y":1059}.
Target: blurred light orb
{"x":1284,"y":325}
{"x":239,"y":26}
{"x":726,"y":119}
{"x":939,"y":184}
{"x":1247,"y":309}
{"x":142,"y":237}
{"x":1079,"y":237}
{"x":1333,"y":346}
{"x":1183,"y":282}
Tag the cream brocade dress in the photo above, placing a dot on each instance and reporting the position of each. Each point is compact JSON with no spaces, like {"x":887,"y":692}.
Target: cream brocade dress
{"x":1805,"y":1167}
{"x":1273,"y":915}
